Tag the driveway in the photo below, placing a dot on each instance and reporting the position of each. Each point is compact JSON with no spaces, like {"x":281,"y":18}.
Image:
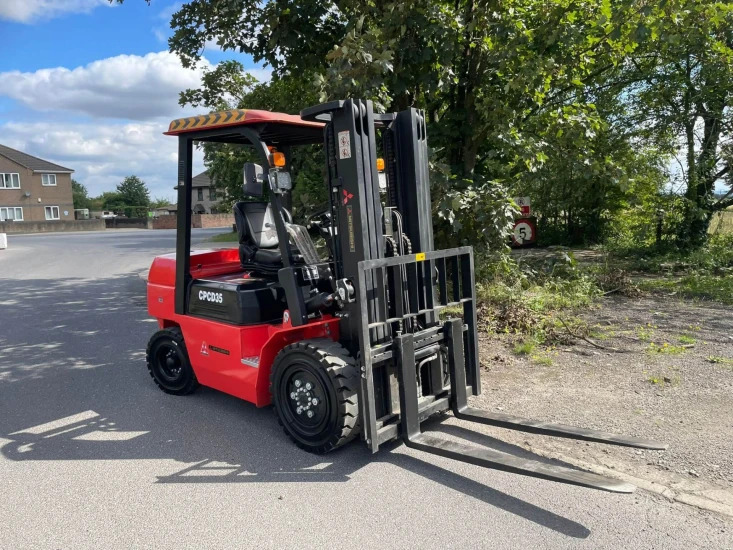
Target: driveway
{"x":93,"y":455}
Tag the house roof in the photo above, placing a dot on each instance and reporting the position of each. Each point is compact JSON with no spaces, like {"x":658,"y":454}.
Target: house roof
{"x":31,"y":162}
{"x":168,"y":208}
{"x":201,"y":180}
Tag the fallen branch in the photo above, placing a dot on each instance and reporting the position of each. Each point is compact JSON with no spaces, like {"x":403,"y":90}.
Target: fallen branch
{"x":591,"y":342}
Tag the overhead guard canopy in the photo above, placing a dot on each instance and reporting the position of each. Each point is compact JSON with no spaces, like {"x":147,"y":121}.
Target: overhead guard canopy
{"x":272,"y":127}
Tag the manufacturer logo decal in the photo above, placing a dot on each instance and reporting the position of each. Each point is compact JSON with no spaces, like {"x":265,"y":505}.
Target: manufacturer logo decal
{"x":219,"y":350}
{"x":350,"y":222}
{"x":204,"y":349}
{"x":347,"y":196}
{"x":214,"y":297}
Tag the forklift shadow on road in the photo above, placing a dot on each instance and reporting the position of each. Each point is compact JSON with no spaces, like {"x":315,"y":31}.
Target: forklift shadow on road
{"x":73,"y":386}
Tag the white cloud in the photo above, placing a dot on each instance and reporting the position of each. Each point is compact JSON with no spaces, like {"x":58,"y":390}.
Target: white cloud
{"x":125,"y":86}
{"x":103,"y":154}
{"x":28,"y":11}
{"x":262,"y":74}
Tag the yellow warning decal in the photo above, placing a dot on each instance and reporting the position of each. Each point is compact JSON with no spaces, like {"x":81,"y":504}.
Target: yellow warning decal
{"x":213,"y":119}
{"x":420,"y":257}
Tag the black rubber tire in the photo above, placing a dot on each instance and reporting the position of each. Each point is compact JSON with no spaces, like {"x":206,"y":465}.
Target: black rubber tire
{"x":334,"y":377}
{"x":168,"y":362}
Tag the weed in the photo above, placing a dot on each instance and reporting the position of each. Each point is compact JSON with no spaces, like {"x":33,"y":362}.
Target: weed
{"x":665,"y":349}
{"x":525,"y":347}
{"x":686,"y":339}
{"x":645,"y":332}
{"x":661,"y":380}
{"x":541,"y":359}
{"x":724,"y":361}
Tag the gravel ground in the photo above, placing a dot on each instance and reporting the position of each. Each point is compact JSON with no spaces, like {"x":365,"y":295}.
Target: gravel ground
{"x":678,"y":396}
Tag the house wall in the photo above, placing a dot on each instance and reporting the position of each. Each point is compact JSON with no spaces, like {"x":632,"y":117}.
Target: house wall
{"x":51,"y":226}
{"x":40,"y":196}
{"x":206,"y":202}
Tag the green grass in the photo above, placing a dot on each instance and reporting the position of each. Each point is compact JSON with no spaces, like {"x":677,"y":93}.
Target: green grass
{"x":718,"y":288}
{"x":230,"y":237}
{"x":686,"y":339}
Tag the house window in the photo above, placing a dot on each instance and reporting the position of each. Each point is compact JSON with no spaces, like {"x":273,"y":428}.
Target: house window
{"x":9,"y":213}
{"x":212,"y":194}
{"x":201,"y":194}
{"x":52,"y":212}
{"x":9,"y":181}
{"x":48,"y":179}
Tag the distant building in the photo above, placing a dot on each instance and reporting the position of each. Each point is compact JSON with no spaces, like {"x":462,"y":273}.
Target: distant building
{"x":33,"y":189}
{"x":167,"y":210}
{"x":203,"y":194}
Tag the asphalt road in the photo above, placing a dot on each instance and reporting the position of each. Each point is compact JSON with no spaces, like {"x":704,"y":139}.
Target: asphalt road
{"x":93,"y":455}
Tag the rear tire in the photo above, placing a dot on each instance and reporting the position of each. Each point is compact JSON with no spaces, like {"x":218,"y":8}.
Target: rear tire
{"x":314,"y":386}
{"x":168,"y":362}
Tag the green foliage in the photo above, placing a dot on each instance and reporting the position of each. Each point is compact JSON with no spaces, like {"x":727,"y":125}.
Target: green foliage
{"x":133,"y":198}
{"x":478,"y":213}
{"x":159,"y":202}
{"x":80,"y":195}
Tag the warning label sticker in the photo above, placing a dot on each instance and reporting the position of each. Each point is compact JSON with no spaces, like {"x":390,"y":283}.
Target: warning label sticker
{"x":344,"y":140}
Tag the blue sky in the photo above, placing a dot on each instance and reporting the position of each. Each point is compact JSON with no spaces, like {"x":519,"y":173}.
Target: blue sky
{"x":93,"y":87}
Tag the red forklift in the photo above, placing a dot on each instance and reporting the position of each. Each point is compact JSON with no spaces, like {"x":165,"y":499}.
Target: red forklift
{"x":359,"y":341}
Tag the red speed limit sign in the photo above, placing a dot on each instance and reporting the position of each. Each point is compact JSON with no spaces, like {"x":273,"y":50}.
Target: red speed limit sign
{"x":524,"y":232}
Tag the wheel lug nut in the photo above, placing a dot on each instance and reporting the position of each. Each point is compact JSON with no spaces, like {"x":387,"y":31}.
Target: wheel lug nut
{"x":308,"y":385}
{"x":297,"y":383}
{"x":299,"y":410}
{"x":292,"y":395}
{"x":310,"y":414}
{"x":314,"y":401}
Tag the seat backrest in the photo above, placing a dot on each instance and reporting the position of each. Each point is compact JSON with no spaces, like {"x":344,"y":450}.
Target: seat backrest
{"x":256,"y":224}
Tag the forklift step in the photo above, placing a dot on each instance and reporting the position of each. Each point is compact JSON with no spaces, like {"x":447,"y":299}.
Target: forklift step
{"x":547,"y":428}
{"x":495,"y":460}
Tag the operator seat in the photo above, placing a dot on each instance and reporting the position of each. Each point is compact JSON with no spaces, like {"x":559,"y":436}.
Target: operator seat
{"x":258,"y":242}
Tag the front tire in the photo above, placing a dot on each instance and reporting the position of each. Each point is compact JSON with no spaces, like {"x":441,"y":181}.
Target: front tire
{"x":314,"y":386}
{"x":168,"y":362}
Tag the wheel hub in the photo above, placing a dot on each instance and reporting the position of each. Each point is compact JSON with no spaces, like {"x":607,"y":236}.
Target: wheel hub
{"x":304,"y":398}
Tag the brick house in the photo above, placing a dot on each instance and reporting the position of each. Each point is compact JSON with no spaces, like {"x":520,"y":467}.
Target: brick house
{"x":33,"y":189}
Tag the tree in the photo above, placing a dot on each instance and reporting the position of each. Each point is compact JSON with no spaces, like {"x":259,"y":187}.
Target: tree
{"x":517,"y":92}
{"x":80,"y":195}
{"x":159,"y":202}
{"x":134,"y":196}
{"x":681,"y":83}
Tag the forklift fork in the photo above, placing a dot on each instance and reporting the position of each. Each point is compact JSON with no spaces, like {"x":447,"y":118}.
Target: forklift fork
{"x":487,"y":458}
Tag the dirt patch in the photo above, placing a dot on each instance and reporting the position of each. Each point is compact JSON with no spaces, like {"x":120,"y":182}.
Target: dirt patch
{"x":671,"y":380}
